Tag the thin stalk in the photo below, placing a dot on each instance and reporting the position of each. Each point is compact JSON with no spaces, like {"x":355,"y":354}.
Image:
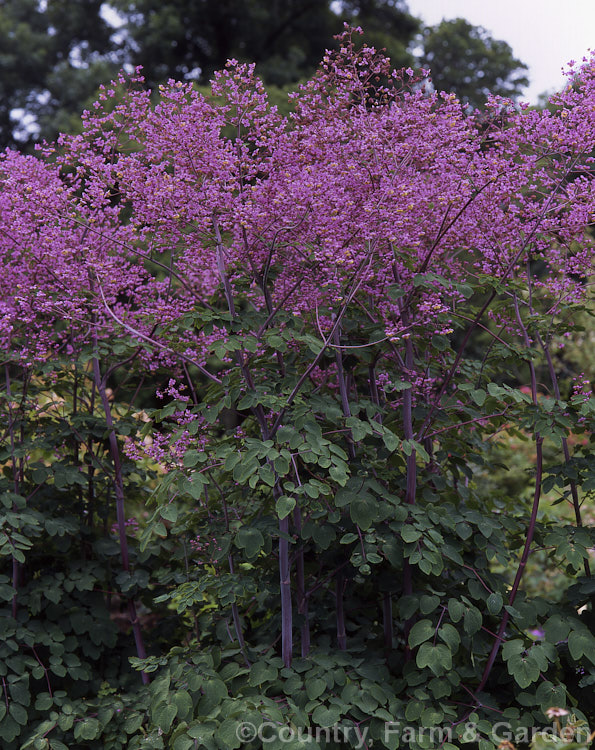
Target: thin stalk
{"x":565,"y":448}
{"x":411,"y":487}
{"x":284,"y":561}
{"x":235,"y":613}
{"x":387,"y":619}
{"x":532,"y":519}
{"x":285,"y":587}
{"x":519,"y":574}
{"x":374,"y":395}
{"x":343,"y":389}
{"x":554,"y":380}
{"x":344,"y":393}
{"x":387,"y":599}
{"x":120,"y":510}
{"x":339,"y":591}
{"x":16,"y":567}
{"x":300,"y":577}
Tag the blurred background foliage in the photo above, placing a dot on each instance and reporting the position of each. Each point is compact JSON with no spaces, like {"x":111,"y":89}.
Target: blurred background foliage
{"x":55,"y":53}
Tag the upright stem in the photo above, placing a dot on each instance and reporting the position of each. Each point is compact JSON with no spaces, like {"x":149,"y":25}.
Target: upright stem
{"x":565,"y":448}
{"x":522,"y":564}
{"x":411,"y":487}
{"x":343,"y":388}
{"x":16,"y":567}
{"x":387,"y":619}
{"x":374,"y":395}
{"x":284,"y":563}
{"x":532,"y":519}
{"x":387,"y":598}
{"x":300,"y":585}
{"x":285,"y":585}
{"x":235,"y":613}
{"x":339,"y":590}
{"x":120,"y":510}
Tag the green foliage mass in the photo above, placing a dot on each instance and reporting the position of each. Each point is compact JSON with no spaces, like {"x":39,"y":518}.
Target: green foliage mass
{"x":464,"y":59}
{"x":55,"y":55}
{"x":209,"y":613}
{"x":52,"y":59}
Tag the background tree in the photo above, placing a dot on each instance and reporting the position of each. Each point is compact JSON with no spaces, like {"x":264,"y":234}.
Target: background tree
{"x":466,"y":60}
{"x":286,"y":38}
{"x":387,"y":25}
{"x":191,"y":40}
{"x":53,"y":57}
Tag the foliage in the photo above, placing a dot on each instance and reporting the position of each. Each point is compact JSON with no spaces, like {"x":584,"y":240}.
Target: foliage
{"x":299,"y":533}
{"x":56,"y":54}
{"x":53,"y":59}
{"x":464,"y":59}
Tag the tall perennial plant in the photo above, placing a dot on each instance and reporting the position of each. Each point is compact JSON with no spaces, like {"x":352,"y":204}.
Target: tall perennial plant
{"x":347,"y":315}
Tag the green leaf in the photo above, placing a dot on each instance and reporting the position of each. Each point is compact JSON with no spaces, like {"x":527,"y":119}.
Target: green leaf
{"x":183,"y":701}
{"x":391,"y":441}
{"x":363,"y":511}
{"x":315,"y":688}
{"x":262,"y":672}
{"x":428,"y":604}
{"x":228,"y":734}
{"x":473,"y":621}
{"x":512,"y":648}
{"x":581,"y":643}
{"x":214,"y":693}
{"x":251,"y":540}
{"x":556,"y":629}
{"x":523,"y":669}
{"x":163,"y":716}
{"x":284,"y":506}
{"x":479,"y":396}
{"x":183,"y":742}
{"x":456,"y":610}
{"x":18,"y":713}
{"x":495,"y":603}
{"x":87,"y":729}
{"x":6,"y":592}
{"x":267,"y":475}
{"x":420,"y":632}
{"x":549,"y":695}
{"x":169,"y":512}
{"x":450,"y":635}
{"x":132,"y":723}
{"x":43,"y":701}
{"x":325,"y":716}
{"x":438,"y":658}
{"x":410,"y":534}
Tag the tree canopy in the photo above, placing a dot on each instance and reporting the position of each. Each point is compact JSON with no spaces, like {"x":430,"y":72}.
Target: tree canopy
{"x":52,"y":58}
{"x":466,"y":60}
{"x":55,"y":54}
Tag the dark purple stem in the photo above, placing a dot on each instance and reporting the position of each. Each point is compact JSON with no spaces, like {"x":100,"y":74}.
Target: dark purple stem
{"x":339,"y":590}
{"x":235,"y":613}
{"x":15,"y":563}
{"x":410,"y":491}
{"x":532,"y":519}
{"x":387,"y":618}
{"x":343,"y":388}
{"x":300,"y":584}
{"x":285,"y":584}
{"x":120,"y":510}
{"x":573,"y":488}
